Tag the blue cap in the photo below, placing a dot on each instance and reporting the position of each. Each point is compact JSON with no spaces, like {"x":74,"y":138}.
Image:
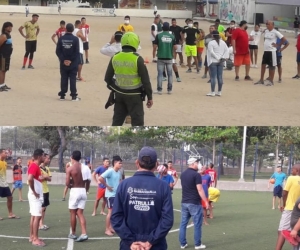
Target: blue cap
{"x":148,"y":155}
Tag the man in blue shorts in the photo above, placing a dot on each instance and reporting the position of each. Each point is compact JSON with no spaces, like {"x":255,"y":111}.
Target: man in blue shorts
{"x":279,"y":177}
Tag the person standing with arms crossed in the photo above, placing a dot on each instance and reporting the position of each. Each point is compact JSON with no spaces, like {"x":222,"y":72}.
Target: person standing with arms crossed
{"x":67,"y":50}
{"x":17,"y":178}
{"x":111,"y":179}
{"x":128,"y":77}
{"x":85,"y":29}
{"x":101,"y":188}
{"x":192,"y":194}
{"x":32,"y":30}
{"x":6,"y":49}
{"x":35,"y":196}
{"x":80,"y":176}
{"x":78,"y":33}
{"x":46,"y":173}
{"x":140,"y":228}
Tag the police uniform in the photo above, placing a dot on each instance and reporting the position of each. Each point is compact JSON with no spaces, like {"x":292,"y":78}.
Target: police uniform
{"x":130,"y":83}
{"x":68,"y":49}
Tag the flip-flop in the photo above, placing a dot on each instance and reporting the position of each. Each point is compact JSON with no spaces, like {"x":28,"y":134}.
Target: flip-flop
{"x":39,"y":244}
{"x":103,"y":213}
{"x":287,"y":235}
{"x":14,"y":217}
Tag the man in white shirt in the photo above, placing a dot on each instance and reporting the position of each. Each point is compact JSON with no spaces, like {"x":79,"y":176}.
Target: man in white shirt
{"x":77,"y":32}
{"x":155,"y":10}
{"x":253,"y":44}
{"x":114,"y":46}
{"x":153,"y":35}
{"x":269,"y":56}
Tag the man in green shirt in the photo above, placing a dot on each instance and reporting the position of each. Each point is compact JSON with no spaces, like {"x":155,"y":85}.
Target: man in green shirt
{"x":219,"y":27}
{"x":166,"y":47}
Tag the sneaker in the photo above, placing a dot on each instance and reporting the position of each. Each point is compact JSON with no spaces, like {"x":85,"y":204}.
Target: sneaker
{"x":252,"y":66}
{"x":169,"y":92}
{"x":83,"y":237}
{"x":2,"y":89}
{"x":255,"y":66}
{"x":75,"y":99}
{"x":178,"y":79}
{"x":72,"y":236}
{"x":23,"y":67}
{"x":279,"y":80}
{"x":296,"y":77}
{"x":165,"y":78}
{"x":158,"y":92}
{"x":62,"y":98}
{"x":200,"y":247}
{"x":237,"y":78}
{"x":189,"y":71}
{"x":218,"y":93}
{"x":185,"y":246}
{"x":198,"y":71}
{"x":154,"y":60}
{"x":204,"y":76}
{"x":6,"y":87}
{"x":87,"y":61}
{"x":268,"y":83}
{"x":258,"y":82}
{"x":248,"y":78}
{"x":63,"y":199}
{"x":30,"y":67}
{"x":209,"y":81}
{"x":211,"y":94}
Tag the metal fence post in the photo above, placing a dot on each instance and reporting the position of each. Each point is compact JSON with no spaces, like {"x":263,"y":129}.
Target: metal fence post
{"x":291,"y":159}
{"x":219,"y":160}
{"x":255,"y":161}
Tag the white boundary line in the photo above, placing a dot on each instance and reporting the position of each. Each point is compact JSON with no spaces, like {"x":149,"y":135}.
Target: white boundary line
{"x":70,"y":245}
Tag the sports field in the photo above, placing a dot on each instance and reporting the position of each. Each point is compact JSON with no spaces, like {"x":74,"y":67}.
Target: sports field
{"x":243,"y":220}
{"x":33,"y":98}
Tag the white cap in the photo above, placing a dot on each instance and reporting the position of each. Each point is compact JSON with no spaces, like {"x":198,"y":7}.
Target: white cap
{"x":192,"y":160}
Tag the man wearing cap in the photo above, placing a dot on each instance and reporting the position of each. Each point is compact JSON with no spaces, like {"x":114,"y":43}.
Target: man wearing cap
{"x":240,"y":44}
{"x":165,"y":44}
{"x":67,"y":50}
{"x":143,"y":210}
{"x":113,"y":46}
{"x":128,"y":77}
{"x":192,"y":194}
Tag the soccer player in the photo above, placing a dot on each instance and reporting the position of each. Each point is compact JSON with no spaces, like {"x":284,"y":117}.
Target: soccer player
{"x":200,"y":45}
{"x":279,"y":177}
{"x":280,"y":47}
{"x":85,"y":28}
{"x":213,"y":175}
{"x":17,"y":177}
{"x":46,"y":173}
{"x":5,"y":53}
{"x":153,"y":37}
{"x":213,"y":196}
{"x":78,"y":33}
{"x":164,"y":176}
{"x":60,"y":32}
{"x":172,"y":171}
{"x":176,"y":30}
{"x":126,"y":27}
{"x":206,"y":180}
{"x":101,"y":188}
{"x":32,"y":30}
{"x":111,"y":179}
{"x":190,"y":44}
{"x":253,"y":44}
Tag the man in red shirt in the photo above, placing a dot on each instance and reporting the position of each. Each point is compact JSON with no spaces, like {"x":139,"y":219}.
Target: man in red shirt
{"x":85,"y":28}
{"x":213,"y":175}
{"x":298,"y":58}
{"x":172,"y":172}
{"x":35,"y":196}
{"x":60,"y":32}
{"x":240,"y":44}
{"x":17,"y":178}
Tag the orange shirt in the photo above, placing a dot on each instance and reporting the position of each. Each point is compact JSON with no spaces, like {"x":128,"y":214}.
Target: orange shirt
{"x":17,"y":173}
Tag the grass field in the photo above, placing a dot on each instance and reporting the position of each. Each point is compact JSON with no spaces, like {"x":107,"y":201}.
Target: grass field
{"x":243,"y":220}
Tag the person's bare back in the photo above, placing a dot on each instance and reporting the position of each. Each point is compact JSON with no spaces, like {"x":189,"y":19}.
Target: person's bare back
{"x":75,"y":173}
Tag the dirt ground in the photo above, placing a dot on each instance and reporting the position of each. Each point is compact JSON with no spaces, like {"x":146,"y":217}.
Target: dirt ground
{"x":33,"y":99}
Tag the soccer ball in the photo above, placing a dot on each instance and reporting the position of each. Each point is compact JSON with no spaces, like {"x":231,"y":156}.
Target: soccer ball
{"x":272,"y":181}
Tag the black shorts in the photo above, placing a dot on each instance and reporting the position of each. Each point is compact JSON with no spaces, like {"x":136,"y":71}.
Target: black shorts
{"x":277,"y":191}
{"x":205,"y":62}
{"x":80,"y":62}
{"x":154,"y":13}
{"x":86,"y":46}
{"x":5,"y":192}
{"x":30,"y":46}
{"x":4,"y":63}
{"x":279,"y":59}
{"x":110,"y":202}
{"x":46,"y":202}
{"x":269,"y":58}
{"x":253,"y":46}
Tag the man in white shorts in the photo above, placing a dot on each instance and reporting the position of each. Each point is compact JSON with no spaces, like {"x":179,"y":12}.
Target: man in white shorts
{"x":176,"y":30}
{"x":81,"y":176}
{"x":35,"y":196}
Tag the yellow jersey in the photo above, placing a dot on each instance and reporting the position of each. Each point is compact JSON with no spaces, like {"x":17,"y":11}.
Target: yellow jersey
{"x":45,"y":171}
{"x":222,"y":36}
{"x":201,"y":43}
{"x":3,"y":167}
{"x":125,"y":28}
{"x":293,"y":187}
{"x":213,"y":194}
{"x":31,"y":29}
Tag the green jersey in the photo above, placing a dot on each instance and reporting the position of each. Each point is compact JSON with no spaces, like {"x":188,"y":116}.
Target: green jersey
{"x":165,"y":42}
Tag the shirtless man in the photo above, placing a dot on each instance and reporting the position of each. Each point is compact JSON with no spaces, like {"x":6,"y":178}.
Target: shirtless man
{"x":66,"y":187}
{"x":80,"y":175}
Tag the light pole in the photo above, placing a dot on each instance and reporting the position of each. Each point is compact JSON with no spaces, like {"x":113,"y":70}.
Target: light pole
{"x":243,"y":155}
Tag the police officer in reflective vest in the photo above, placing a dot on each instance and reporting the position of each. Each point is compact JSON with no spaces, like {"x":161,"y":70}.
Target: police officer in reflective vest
{"x":128,"y":77}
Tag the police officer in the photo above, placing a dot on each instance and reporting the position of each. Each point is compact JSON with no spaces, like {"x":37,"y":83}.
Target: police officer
{"x":67,"y":50}
{"x":131,"y":83}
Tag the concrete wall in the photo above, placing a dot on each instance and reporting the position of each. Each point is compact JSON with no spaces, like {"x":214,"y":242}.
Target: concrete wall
{"x":97,"y":12}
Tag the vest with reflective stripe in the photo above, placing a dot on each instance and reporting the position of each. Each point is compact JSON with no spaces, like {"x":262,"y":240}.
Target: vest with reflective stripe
{"x":126,"y":70}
